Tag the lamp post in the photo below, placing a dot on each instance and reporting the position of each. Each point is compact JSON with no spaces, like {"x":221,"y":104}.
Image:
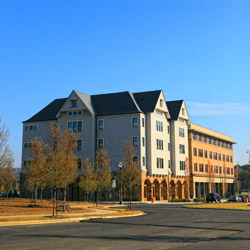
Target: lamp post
{"x":113,"y":186}
{"x":120,"y":166}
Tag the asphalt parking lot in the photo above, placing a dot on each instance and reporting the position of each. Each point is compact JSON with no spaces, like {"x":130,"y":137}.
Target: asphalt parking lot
{"x":165,"y":226}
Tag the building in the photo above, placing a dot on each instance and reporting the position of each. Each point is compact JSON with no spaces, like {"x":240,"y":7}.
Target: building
{"x":158,"y":130}
{"x":211,"y":162}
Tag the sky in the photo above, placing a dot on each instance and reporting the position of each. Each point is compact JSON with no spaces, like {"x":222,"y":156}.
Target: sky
{"x":198,"y":51}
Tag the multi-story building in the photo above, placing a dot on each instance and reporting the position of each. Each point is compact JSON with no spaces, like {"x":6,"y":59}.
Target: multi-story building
{"x":211,"y":162}
{"x":157,"y":129}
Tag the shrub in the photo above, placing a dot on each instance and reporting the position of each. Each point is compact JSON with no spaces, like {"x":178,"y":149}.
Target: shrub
{"x":179,"y":200}
{"x":199,"y":200}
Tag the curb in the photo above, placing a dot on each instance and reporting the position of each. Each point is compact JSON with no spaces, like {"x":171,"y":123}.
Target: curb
{"x":66,"y":220}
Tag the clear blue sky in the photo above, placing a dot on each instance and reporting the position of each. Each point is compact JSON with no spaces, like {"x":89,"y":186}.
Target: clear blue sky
{"x":198,"y":51}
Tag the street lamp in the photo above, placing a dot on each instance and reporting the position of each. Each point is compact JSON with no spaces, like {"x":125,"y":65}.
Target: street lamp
{"x":120,"y":166}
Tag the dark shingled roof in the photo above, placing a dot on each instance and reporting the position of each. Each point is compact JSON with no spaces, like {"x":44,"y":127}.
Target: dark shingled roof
{"x":49,"y":112}
{"x":147,"y":100}
{"x":174,"y":108}
{"x":106,"y":104}
{"x":114,"y":104}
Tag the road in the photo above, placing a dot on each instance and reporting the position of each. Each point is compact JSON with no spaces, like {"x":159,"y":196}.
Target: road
{"x":165,"y":226}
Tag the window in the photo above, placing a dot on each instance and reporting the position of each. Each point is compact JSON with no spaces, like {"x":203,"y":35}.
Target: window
{"x":79,"y":144}
{"x":135,"y":159}
{"x":182,"y":165}
{"x":201,"y":167}
{"x":200,"y":152}
{"x":206,"y":168}
{"x":220,"y":169}
{"x":210,"y":155}
{"x":183,"y":111}
{"x":70,"y":113}
{"x":215,"y":156}
{"x":195,"y":151}
{"x":79,"y":163}
{"x":168,"y":130}
{"x":143,"y":161}
{"x":181,"y":132}
{"x":195,"y":167}
{"x":159,"y":126}
{"x":216,"y":169}
{"x":224,"y":170}
{"x":100,"y":124}
{"x":159,"y":144}
{"x":143,"y":141}
{"x":219,"y":156}
{"x":169,"y":164}
{"x":161,"y":103}
{"x":75,"y":126}
{"x":100,"y":143}
{"x":169,"y":147}
{"x":232,"y":171}
{"x":143,"y":122}
{"x":135,"y":141}
{"x":73,"y":103}
{"x":134,"y":122}
{"x":205,"y":153}
{"x":31,"y":127}
{"x":231,"y":159}
{"x":227,"y":158}
{"x":160,"y":163}
{"x":27,"y":144}
{"x":228,"y":170}
{"x":181,"y":149}
{"x":181,"y":120}
{"x":158,"y":112}
{"x":223,"y":157}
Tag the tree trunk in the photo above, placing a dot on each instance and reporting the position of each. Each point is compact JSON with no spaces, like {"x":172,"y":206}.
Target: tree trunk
{"x":64,"y":198}
{"x":41,"y":195}
{"x":54,"y":201}
{"x":130,"y":197}
{"x":35,"y":200}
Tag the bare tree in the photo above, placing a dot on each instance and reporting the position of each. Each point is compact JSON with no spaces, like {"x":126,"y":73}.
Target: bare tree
{"x":7,"y":178}
{"x":130,"y":172}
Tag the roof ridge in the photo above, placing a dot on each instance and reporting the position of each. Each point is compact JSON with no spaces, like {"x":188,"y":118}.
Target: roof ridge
{"x":133,"y":99}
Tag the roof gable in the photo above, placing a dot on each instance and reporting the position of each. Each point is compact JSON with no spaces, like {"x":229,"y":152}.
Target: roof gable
{"x":83,"y":102}
{"x":147,"y":100}
{"x":174,"y":108}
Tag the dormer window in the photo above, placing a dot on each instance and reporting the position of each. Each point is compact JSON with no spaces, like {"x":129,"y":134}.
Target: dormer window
{"x":73,"y":103}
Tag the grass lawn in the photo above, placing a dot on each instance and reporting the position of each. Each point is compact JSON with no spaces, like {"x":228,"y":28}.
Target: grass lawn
{"x":232,"y":205}
{"x":19,"y":206}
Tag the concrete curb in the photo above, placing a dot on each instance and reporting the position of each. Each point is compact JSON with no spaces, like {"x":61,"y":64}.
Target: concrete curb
{"x":66,"y":220}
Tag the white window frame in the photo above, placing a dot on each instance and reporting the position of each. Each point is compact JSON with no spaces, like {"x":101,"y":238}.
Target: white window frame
{"x":143,"y":141}
{"x":159,"y":144}
{"x":181,"y":132}
{"x":143,"y":122}
{"x":136,"y":140}
{"x":99,"y":124}
{"x":143,"y":161}
{"x":132,"y":123}
{"x":159,"y":163}
{"x":180,"y":151}
{"x":77,"y":128}
{"x":182,"y":165}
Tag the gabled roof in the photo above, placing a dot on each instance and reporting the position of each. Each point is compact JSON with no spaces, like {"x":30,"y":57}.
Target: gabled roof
{"x":115,"y":103}
{"x":49,"y":112}
{"x":174,"y":108}
{"x":147,"y":100}
{"x":86,"y":99}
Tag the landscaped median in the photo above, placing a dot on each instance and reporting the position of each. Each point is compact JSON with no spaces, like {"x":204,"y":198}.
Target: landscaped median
{"x":236,"y":206}
{"x":20,"y":211}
